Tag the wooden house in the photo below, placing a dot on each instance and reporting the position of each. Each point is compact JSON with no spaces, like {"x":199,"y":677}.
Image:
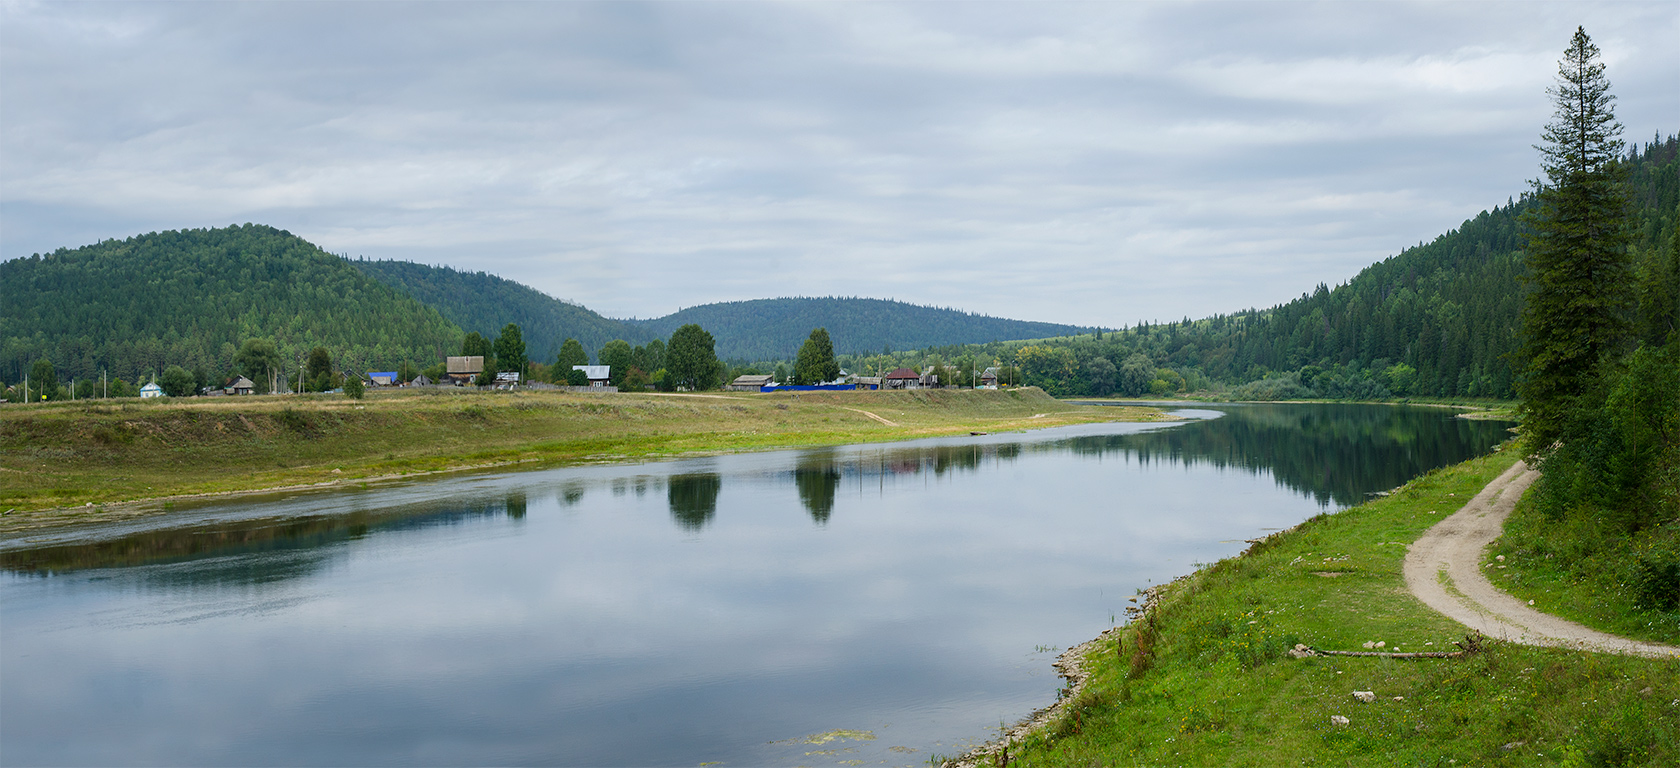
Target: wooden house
{"x":902,"y":378}
{"x":749,"y":383}
{"x":463,"y":369}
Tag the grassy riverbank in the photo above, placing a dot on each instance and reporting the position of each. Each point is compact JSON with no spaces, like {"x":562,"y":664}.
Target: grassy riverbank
{"x":57,"y":458}
{"x":1204,"y":676}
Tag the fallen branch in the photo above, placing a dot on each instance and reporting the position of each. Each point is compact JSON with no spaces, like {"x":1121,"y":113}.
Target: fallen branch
{"x":1474,"y":642}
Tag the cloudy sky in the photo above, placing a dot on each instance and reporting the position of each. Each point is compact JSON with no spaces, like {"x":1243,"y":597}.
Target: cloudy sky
{"x":1086,"y":163}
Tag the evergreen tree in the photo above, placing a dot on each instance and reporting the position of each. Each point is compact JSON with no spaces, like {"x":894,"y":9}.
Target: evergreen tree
{"x":816,"y":364}
{"x":43,"y":380}
{"x":475,"y":345}
{"x":1577,"y":315}
{"x":510,"y":349}
{"x":317,"y":372}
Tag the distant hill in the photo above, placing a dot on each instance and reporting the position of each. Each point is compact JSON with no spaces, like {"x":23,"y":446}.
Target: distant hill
{"x":1438,"y":319}
{"x":190,"y":297}
{"x":483,"y":302}
{"x":772,"y":329}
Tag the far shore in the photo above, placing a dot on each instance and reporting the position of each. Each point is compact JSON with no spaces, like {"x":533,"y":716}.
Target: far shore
{"x":91,"y":462}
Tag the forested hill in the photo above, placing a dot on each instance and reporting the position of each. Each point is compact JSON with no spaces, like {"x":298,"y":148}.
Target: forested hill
{"x":482,"y":302}
{"x":1450,"y":310}
{"x":191,"y":297}
{"x":773,"y":329}
{"x":1438,"y":319}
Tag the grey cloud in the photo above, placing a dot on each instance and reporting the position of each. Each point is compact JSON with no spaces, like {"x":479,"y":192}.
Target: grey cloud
{"x":1083,"y":163}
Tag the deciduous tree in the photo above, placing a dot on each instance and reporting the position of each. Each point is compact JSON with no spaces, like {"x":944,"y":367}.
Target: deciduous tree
{"x":691,"y":361}
{"x":815,"y":363}
{"x":176,"y":381}
{"x":258,"y":360}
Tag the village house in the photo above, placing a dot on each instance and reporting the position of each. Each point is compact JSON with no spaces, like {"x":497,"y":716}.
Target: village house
{"x":749,"y":383}
{"x":383,"y":378}
{"x":598,"y":375}
{"x":151,"y":390}
{"x":461,"y":370}
{"x":902,"y":378}
{"x":241,"y":386}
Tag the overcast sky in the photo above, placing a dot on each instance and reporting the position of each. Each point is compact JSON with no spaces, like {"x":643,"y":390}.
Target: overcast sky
{"x":1085,"y":163}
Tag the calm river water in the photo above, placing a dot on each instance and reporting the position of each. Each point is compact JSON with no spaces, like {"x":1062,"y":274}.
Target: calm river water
{"x":876,"y":603}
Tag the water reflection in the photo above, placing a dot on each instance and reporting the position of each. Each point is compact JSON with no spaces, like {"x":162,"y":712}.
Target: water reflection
{"x":668,"y":613}
{"x":693,"y":499}
{"x":1334,"y":453}
{"x":817,"y":477}
{"x":249,"y":552}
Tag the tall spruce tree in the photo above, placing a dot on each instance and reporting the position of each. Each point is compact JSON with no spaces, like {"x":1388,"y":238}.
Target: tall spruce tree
{"x":1579,"y":305}
{"x":510,"y":349}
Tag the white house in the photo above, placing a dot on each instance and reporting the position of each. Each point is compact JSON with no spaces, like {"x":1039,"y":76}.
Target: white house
{"x":151,"y":390}
{"x":598,"y":375}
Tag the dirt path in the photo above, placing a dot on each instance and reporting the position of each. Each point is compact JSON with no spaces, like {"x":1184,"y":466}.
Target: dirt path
{"x":1443,"y":569}
{"x":872,"y":416}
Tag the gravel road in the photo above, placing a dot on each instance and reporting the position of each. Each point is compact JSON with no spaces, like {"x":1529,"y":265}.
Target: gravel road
{"x":1443,"y":569}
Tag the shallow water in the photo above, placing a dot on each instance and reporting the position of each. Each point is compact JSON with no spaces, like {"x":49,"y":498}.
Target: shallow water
{"x":878,"y":603}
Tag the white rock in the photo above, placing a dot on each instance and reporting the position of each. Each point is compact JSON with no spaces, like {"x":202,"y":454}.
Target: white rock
{"x":1365,"y":696}
{"x":1338,"y":720}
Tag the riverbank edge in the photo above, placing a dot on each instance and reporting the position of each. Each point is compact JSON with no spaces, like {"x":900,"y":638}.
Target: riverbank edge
{"x":1074,"y":663}
{"x":22,"y":521}
{"x":1504,"y":410}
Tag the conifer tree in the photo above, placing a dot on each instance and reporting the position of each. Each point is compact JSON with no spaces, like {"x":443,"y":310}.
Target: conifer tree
{"x":1577,"y":315}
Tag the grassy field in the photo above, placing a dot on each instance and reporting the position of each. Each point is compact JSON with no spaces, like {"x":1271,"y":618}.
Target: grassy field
{"x":1586,"y":571}
{"x":58,"y":458}
{"x":1204,"y":677}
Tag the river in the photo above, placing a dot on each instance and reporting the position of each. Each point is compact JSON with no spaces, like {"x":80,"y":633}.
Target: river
{"x":877,"y":603}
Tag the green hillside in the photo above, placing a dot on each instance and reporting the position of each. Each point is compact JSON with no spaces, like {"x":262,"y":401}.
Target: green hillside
{"x":1438,"y":319}
{"x":191,"y":297}
{"x":773,"y":329}
{"x":482,"y":302}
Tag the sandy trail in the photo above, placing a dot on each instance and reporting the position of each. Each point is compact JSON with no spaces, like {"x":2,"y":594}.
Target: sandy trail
{"x":1443,"y":569}
{"x":872,"y":416}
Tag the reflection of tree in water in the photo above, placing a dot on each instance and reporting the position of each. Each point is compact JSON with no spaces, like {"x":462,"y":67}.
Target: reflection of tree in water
{"x":516,"y":505}
{"x":1333,"y":452}
{"x":693,"y":498}
{"x":817,"y":484}
{"x":246,"y":552}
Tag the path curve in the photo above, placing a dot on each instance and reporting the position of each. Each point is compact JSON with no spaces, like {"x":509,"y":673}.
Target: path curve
{"x":1443,"y":569}
{"x":872,"y":416}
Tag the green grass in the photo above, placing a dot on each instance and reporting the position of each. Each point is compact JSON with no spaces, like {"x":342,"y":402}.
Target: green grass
{"x":1577,"y":567}
{"x":1205,"y":679}
{"x":57,"y":458}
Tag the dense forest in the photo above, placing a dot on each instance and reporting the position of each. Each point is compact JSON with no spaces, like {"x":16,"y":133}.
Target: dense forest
{"x":485,"y":303}
{"x":774,"y":329}
{"x":192,"y":297}
{"x":1439,"y":319}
